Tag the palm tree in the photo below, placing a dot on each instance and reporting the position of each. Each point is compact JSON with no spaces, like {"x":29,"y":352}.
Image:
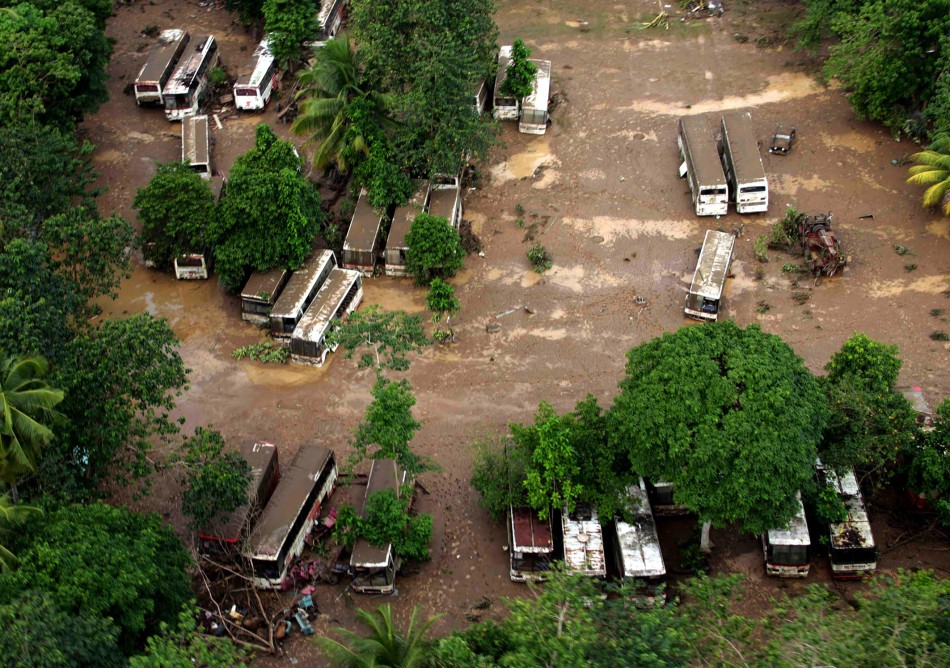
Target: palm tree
{"x":331,"y":87}
{"x":11,"y":515}
{"x":933,"y":170}
{"x":384,"y":646}
{"x":27,"y":406}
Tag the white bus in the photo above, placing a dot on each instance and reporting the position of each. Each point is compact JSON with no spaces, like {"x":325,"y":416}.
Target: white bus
{"x":185,"y":89}
{"x":395,"y":254}
{"x":339,"y":296}
{"x":584,"y":542}
{"x":150,"y":82}
{"x":701,"y":167}
{"x":253,"y":87}
{"x":260,"y":293}
{"x":374,"y":567}
{"x":300,"y":290}
{"x":289,"y":516}
{"x":329,"y":21}
{"x":743,"y":163}
{"x":788,"y":550}
{"x":445,"y":198}
{"x":196,"y":145}
{"x":504,"y":107}
{"x":852,"y":549}
{"x":531,"y":542}
{"x":705,"y":292}
{"x":637,"y":553}
{"x":361,"y":246}
{"x":534,"y":108}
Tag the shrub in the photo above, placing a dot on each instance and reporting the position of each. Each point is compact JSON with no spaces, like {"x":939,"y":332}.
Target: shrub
{"x":539,"y":258}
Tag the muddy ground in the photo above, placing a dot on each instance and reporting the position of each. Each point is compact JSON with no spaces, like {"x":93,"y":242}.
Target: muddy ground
{"x":600,"y":192}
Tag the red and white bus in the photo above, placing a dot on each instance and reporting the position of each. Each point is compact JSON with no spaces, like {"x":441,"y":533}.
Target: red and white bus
{"x":254,"y":86}
{"x":185,"y":89}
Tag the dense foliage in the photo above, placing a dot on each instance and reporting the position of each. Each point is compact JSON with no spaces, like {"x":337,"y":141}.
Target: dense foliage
{"x":183,"y":646}
{"x":384,"y":337}
{"x":386,"y":520}
{"x":289,"y":23}
{"x":929,"y":468}
{"x":434,"y":249}
{"x":216,"y":482}
{"x":519,"y":80}
{"x":933,"y":169}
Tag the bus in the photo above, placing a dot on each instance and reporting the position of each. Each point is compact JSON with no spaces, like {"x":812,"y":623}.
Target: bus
{"x":254,"y":85}
{"x":363,"y":239}
{"x":705,"y":292}
{"x":584,"y":541}
{"x":299,"y":292}
{"x":788,"y":550}
{"x":339,"y":296}
{"x":504,"y":107}
{"x":395,"y":254}
{"x":445,"y":198}
{"x":195,"y":145}
{"x":534,"y":108}
{"x":150,"y":83}
{"x":531,"y":542}
{"x":229,"y":529}
{"x":187,"y":85}
{"x":329,"y":21}
{"x":743,"y":163}
{"x":637,"y":554}
{"x":701,"y":167}
{"x":278,"y":538}
{"x":852,"y":549}
{"x":374,"y":567}
{"x":260,"y":293}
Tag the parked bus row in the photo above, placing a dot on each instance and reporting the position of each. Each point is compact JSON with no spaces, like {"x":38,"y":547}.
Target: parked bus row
{"x":531,"y":112}
{"x":724,"y":169}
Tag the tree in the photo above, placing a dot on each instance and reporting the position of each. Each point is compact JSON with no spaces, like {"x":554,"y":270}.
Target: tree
{"x":730,"y":416}
{"x":929,"y":468}
{"x":389,"y":425}
{"x":550,"y":476}
{"x":40,"y":634}
{"x":269,"y":216}
{"x":27,"y":406}
{"x":869,"y":424}
{"x":384,"y":645}
{"x":434,"y":249}
{"x":215,"y":482}
{"x":175,"y":209}
{"x":289,"y":23}
{"x":386,"y":521}
{"x":100,"y":561}
{"x":519,"y":81}
{"x":183,"y":646}
{"x":498,"y":473}
{"x":933,"y":170}
{"x":389,"y":336}
{"x":368,"y":149}
{"x":441,"y":300}
{"x":12,"y":515}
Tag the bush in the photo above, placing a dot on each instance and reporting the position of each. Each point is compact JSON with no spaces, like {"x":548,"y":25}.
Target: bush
{"x":760,"y":247}
{"x":785,"y":232}
{"x":386,"y":521}
{"x":265,"y":352}
{"x":434,"y":249}
{"x":539,"y":258}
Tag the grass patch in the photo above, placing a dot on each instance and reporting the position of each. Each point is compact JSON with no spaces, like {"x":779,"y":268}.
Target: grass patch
{"x":940,"y":335}
{"x":539,"y":258}
{"x":936,"y":312}
{"x":902,"y":250}
{"x":910,"y":266}
{"x":763,"y":307}
{"x":266,"y":352}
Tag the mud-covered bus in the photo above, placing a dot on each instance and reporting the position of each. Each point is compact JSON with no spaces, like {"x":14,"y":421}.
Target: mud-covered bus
{"x":196,"y":145}
{"x":743,"y":163}
{"x":531,"y":544}
{"x":704,"y":298}
{"x":851,"y":543}
{"x":300,"y":291}
{"x":637,"y":554}
{"x":278,"y":538}
{"x":583,"y":538}
{"x":329,"y":21}
{"x":339,"y":296}
{"x":504,"y":107}
{"x":363,"y":239}
{"x":788,"y":549}
{"x":184,"y":92}
{"x":260,"y":293}
{"x":374,"y":567}
{"x":701,"y":167}
{"x":445,"y":198}
{"x":150,"y":83}
{"x":396,"y":247}
{"x":533,"y":119}
{"x":255,"y":83}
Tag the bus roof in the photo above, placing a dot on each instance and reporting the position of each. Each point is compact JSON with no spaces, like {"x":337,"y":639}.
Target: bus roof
{"x":530,"y":534}
{"x":189,"y":65}
{"x":442,"y":201}
{"x":797,"y":531}
{"x":264,"y":283}
{"x":739,"y":133}
{"x":541,"y":87}
{"x":169,"y":42}
{"x":300,"y":285}
{"x":327,"y":8}
{"x":713,"y":265}
{"x":194,"y":140}
{"x":638,"y":541}
{"x":260,"y":62}
{"x":315,"y":322}
{"x":364,"y":227}
{"x":383,"y":474}
{"x":504,"y":57}
{"x":915,"y":395}
{"x":288,"y":500}
{"x":855,"y":531}
{"x":701,"y":151}
{"x":583,"y":542}
{"x":228,"y":526}
{"x":405,"y":214}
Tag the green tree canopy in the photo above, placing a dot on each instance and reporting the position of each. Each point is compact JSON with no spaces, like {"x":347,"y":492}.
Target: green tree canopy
{"x":216,"y":482}
{"x":389,"y":426}
{"x":184,"y":646}
{"x":384,"y":646}
{"x":933,"y":170}
{"x":270,"y":214}
{"x":289,"y":23}
{"x":386,"y":521}
{"x":441,"y":300}
{"x":929,"y":467}
{"x":519,"y":81}
{"x":731,"y":416}
{"x":385,"y":337}
{"x":175,"y":209}
{"x":434,"y":249}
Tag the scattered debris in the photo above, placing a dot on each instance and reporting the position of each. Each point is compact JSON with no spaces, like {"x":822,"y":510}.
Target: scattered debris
{"x":820,"y":245}
{"x":867,"y":215}
{"x":493,"y":328}
{"x":470,"y":241}
{"x":508,"y":312}
{"x":782,"y":140}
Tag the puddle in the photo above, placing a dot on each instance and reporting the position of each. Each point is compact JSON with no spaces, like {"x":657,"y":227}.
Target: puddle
{"x":109,"y":155}
{"x":931,"y":285}
{"x":610,"y":229}
{"x":940,"y":228}
{"x":781,"y":87}
{"x":285,"y":375}
{"x":525,"y":164}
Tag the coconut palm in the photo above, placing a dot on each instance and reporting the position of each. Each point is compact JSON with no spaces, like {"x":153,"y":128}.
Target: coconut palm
{"x":933,"y":170}
{"x":27,"y":409}
{"x":330,"y":88}
{"x":384,"y":646}
{"x":11,"y":515}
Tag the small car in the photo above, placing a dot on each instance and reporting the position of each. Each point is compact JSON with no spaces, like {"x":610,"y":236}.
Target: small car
{"x":782,"y":141}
